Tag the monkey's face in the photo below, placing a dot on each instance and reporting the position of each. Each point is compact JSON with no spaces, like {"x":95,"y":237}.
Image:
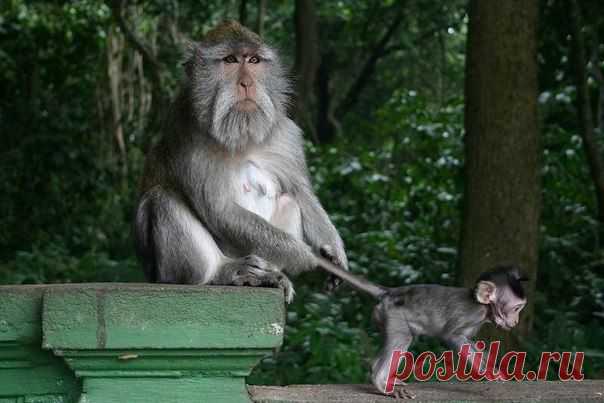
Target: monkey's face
{"x":243,"y":107}
{"x":239,"y":92}
{"x":244,"y":69}
{"x":502,"y":291}
{"x":506,"y":309}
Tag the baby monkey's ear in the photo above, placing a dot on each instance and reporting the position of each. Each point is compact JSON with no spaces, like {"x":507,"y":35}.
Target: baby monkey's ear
{"x":485,"y":292}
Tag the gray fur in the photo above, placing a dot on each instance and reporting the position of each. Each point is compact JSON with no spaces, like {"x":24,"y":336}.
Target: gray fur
{"x":451,"y":314}
{"x":189,"y":215}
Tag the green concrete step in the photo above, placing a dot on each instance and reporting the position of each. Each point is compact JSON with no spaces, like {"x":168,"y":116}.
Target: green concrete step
{"x":103,"y":343}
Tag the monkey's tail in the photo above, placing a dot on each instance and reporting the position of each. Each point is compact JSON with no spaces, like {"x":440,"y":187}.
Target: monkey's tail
{"x":361,"y":284}
{"x":143,"y":237}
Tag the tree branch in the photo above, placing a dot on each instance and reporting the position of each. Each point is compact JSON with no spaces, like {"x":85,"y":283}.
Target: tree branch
{"x":424,"y":35}
{"x":352,"y":96}
{"x":117,"y":8}
{"x":157,"y":98}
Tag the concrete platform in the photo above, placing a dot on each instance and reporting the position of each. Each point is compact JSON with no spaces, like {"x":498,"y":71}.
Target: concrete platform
{"x":585,"y":391}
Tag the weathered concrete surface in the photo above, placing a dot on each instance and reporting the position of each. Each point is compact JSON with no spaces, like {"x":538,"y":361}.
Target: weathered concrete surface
{"x":146,"y":343}
{"x":586,"y":391}
{"x":127,"y":316}
{"x":27,"y":373}
{"x":134,"y":343}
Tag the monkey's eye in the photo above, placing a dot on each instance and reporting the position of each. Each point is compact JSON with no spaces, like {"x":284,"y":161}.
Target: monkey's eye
{"x":254,"y":60}
{"x":230,"y":59}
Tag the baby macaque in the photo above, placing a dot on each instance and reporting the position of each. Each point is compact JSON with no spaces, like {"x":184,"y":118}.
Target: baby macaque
{"x":453,"y":314}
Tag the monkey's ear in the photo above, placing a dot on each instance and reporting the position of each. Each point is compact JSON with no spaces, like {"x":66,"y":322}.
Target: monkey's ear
{"x":190,"y":49}
{"x":485,"y":292}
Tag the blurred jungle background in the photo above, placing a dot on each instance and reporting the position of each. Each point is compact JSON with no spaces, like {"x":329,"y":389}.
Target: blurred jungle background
{"x":442,"y":136}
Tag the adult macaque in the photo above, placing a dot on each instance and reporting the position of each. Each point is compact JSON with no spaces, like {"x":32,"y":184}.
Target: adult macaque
{"x":453,"y":314}
{"x":226,"y":196}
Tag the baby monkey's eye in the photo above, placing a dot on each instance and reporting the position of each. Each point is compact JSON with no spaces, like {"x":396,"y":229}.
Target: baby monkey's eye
{"x":254,"y":60}
{"x":230,"y":59}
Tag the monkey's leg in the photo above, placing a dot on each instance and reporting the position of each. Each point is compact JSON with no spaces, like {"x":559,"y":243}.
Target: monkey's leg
{"x":184,"y":252}
{"x":397,"y":336}
{"x":173,"y":243}
{"x":287,"y":216}
{"x":254,"y":271}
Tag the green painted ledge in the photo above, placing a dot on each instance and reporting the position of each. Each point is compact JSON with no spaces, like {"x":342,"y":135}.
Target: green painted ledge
{"x":147,"y":343}
{"x":130,"y":343}
{"x":28,"y":373}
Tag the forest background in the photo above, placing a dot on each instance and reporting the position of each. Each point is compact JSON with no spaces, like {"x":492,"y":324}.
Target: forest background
{"x":442,"y":138}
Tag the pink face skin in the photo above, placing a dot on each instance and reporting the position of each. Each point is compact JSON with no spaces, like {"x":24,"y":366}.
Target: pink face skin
{"x":509,"y":315}
{"x":505,"y":305}
{"x":244,"y":68}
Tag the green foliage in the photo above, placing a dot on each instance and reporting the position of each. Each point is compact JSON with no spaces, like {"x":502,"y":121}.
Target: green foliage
{"x":392,"y":180}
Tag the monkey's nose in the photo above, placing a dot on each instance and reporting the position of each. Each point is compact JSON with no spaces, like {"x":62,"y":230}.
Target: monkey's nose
{"x":245,"y":83}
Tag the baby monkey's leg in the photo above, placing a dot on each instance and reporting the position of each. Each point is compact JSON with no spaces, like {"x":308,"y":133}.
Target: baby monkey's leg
{"x":397,"y":335}
{"x":456,"y":342}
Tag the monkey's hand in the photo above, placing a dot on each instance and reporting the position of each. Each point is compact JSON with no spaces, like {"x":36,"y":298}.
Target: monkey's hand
{"x":328,"y":253}
{"x":254,"y":271}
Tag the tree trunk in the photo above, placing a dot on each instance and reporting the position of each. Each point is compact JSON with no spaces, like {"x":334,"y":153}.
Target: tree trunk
{"x":586,"y":123}
{"x":502,"y":185}
{"x":243,"y":12}
{"x":327,"y":125}
{"x":156,"y":99}
{"x":115,"y":48}
{"x":260,"y":17}
{"x":307,"y":60}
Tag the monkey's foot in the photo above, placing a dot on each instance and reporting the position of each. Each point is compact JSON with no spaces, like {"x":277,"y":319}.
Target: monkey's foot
{"x":256,"y":272}
{"x":401,"y":393}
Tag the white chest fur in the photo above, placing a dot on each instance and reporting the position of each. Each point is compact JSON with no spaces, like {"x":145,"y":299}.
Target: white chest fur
{"x":257,"y":190}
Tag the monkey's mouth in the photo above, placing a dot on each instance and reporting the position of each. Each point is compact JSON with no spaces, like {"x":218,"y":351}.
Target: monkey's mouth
{"x":500,"y":323}
{"x":246,"y":105}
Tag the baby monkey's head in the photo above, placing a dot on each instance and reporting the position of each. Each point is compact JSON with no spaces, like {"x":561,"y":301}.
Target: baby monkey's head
{"x":501,"y":289}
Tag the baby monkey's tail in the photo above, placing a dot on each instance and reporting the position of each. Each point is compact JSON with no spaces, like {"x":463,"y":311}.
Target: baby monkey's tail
{"x":361,"y":284}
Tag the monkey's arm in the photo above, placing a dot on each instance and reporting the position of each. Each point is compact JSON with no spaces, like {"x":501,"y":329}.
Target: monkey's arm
{"x":317,"y":228}
{"x":252,"y":234}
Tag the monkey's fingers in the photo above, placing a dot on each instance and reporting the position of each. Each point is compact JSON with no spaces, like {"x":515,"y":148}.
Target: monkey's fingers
{"x":327,"y":252}
{"x":401,"y":393}
{"x":332,"y":283}
{"x":254,"y":271}
{"x":288,"y":288}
